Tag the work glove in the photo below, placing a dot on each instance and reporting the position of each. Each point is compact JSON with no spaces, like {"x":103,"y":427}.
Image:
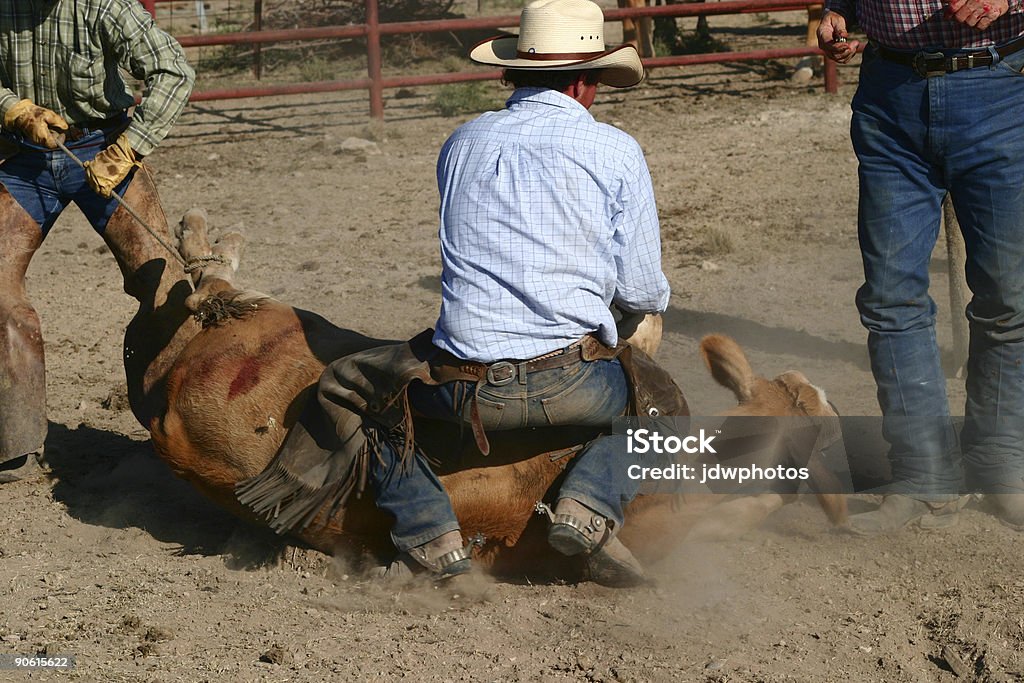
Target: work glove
{"x":110,"y":167}
{"x":35,"y":123}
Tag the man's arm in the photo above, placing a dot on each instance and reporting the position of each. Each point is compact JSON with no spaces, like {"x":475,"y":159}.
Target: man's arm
{"x":641,"y":286}
{"x":156,"y":59}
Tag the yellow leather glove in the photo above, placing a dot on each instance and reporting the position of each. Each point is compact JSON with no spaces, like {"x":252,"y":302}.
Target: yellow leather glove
{"x":110,"y":167}
{"x":35,"y":122}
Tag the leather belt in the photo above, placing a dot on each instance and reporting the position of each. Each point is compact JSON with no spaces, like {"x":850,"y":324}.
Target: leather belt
{"x":928,"y":64}
{"x":502,"y":372}
{"x":78,"y":130}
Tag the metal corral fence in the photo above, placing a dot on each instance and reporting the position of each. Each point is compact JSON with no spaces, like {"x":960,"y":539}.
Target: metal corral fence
{"x":373,"y":29}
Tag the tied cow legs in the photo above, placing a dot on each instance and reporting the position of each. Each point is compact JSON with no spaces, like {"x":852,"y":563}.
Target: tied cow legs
{"x":212,"y":264}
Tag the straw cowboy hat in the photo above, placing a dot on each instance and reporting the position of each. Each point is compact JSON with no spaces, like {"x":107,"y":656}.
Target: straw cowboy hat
{"x":562,"y":35}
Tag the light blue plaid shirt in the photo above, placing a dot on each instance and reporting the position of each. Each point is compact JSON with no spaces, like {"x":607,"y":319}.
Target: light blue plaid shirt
{"x":547,"y":217}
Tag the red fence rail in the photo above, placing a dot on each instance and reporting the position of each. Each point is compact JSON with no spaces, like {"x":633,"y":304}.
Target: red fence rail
{"x":373,"y":29}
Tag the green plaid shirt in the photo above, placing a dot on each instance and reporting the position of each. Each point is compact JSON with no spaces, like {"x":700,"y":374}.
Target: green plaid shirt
{"x":64,"y":55}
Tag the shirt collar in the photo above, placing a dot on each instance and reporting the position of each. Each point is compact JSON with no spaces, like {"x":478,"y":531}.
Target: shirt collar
{"x":533,"y":96}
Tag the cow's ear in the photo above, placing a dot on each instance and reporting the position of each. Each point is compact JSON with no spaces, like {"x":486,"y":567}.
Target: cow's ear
{"x":728,"y":365}
{"x":808,"y":398}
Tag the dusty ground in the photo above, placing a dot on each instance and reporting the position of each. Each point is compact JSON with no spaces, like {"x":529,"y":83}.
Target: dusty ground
{"x":117,"y":563}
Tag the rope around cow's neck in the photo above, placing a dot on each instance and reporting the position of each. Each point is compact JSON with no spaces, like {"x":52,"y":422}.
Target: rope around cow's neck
{"x":191,"y":265}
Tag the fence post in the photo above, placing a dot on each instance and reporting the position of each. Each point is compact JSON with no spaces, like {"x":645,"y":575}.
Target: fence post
{"x":150,"y":6}
{"x":831,"y":77}
{"x":257,"y":49}
{"x":373,"y":60}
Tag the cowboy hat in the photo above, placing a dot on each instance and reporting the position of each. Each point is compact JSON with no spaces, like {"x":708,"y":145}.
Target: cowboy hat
{"x":562,"y":35}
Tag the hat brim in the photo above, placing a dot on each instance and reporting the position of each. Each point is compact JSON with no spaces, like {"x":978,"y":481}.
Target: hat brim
{"x":620,"y":67}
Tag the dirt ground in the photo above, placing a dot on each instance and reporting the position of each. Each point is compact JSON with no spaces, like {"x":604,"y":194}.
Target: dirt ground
{"x":115,"y":562}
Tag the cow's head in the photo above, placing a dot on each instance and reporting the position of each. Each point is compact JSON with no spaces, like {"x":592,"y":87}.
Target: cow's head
{"x":789,"y":394}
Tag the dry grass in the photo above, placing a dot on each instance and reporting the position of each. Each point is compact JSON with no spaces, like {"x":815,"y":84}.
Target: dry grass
{"x":719,"y":241}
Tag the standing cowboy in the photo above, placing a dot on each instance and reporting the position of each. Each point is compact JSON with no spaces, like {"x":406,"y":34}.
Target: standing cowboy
{"x":936,"y":112}
{"x":547,"y":218}
{"x":59,"y":62}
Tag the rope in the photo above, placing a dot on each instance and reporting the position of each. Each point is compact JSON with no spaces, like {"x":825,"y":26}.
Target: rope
{"x":174,"y":252}
{"x":199,"y":262}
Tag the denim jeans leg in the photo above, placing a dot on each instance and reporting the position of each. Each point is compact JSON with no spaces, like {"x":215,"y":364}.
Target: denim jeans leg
{"x":986,"y":165}
{"x":898,"y":221}
{"x":599,"y":480}
{"x":413,"y":495}
{"x":598,"y":476}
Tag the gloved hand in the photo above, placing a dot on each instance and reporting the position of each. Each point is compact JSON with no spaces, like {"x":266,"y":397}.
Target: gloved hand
{"x":35,"y":122}
{"x":110,"y":167}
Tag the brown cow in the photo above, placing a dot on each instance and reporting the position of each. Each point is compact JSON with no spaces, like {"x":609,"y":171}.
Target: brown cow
{"x":219,"y":410}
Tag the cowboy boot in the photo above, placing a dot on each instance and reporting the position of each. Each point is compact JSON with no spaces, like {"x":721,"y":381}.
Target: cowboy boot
{"x":444,"y":557}
{"x":899,"y":511}
{"x":1009,"y":508}
{"x":1006,"y":501}
{"x":577,"y":529}
{"x":20,"y":469}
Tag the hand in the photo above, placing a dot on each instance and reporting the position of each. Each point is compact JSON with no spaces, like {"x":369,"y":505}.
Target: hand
{"x":35,"y":123}
{"x":832,"y":38}
{"x":978,"y":14}
{"x":110,"y":167}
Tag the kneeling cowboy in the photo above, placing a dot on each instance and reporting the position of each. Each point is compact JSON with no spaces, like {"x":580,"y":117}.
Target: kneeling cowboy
{"x":547,"y":218}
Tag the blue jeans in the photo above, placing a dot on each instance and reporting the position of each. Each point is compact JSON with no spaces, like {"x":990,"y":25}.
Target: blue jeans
{"x":917,"y":139}
{"x":45,"y":181}
{"x":583,"y":394}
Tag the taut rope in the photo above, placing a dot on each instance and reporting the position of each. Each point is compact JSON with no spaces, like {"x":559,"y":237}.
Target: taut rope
{"x":190,"y":265}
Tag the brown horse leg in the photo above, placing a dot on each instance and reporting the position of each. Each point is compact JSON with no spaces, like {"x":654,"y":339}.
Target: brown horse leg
{"x":22,"y":373}
{"x":646,"y":36}
{"x":638,"y":32}
{"x":807,"y":66}
{"x":629,"y":26}
{"x":162,"y":326}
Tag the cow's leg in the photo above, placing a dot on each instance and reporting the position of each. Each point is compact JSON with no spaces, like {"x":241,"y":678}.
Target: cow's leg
{"x":193,"y":239}
{"x":22,"y":374}
{"x":666,"y":30}
{"x":638,"y":32}
{"x":214,"y":264}
{"x":645,"y":32}
{"x":211,"y":260}
{"x":806,"y":67}
{"x":703,"y":29}
{"x":629,"y":25}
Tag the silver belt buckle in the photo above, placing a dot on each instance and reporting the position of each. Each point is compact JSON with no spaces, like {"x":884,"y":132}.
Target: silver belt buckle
{"x":501,"y":373}
{"x":920,"y":65}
